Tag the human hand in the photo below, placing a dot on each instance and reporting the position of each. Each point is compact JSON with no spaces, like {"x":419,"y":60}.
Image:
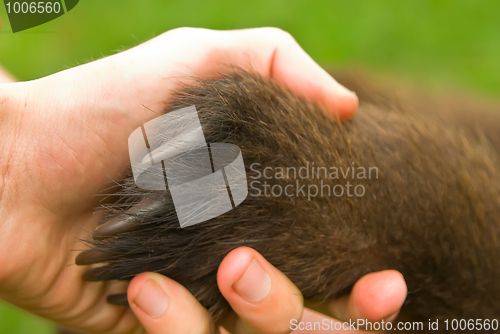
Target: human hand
{"x":65,"y":135}
{"x":5,"y":77}
{"x":263,"y":299}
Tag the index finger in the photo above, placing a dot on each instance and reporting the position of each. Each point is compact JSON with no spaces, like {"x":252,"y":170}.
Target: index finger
{"x":263,"y":297}
{"x":271,"y":52}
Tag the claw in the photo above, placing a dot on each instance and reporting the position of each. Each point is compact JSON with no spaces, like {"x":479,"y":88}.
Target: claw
{"x":117,"y":225}
{"x":186,"y":141}
{"x":128,"y":221}
{"x":92,"y":256}
{"x":97,"y":274}
{"x":118,"y":299}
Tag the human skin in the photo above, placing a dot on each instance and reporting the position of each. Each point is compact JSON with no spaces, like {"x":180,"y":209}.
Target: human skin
{"x":64,"y":136}
{"x":5,"y":77}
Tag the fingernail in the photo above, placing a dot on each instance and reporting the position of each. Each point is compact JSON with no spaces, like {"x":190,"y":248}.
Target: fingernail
{"x":343,"y":90}
{"x":255,"y":284}
{"x":152,"y":300}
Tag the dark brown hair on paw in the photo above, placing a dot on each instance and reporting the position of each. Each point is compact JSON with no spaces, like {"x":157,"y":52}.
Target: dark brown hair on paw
{"x":430,"y":208}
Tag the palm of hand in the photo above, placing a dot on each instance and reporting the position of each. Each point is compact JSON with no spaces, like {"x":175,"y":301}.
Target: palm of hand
{"x":58,"y":169}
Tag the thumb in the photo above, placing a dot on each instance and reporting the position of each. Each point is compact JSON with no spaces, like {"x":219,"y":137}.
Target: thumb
{"x":163,"y":306}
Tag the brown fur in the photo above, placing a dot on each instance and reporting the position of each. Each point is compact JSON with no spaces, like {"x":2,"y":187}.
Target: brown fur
{"x":433,"y":213}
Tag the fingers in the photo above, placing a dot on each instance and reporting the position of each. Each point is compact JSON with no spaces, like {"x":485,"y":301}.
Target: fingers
{"x":327,"y":324}
{"x":272,"y":53}
{"x":290,"y":65}
{"x":264,"y":298}
{"x":163,"y":306}
{"x":374,"y":297}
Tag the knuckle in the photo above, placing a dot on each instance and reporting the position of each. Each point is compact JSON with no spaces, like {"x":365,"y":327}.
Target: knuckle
{"x":279,"y":35}
{"x":185,"y":32}
{"x":181,"y":31}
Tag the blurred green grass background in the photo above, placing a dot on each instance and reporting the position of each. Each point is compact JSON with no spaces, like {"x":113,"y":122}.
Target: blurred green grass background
{"x":435,"y":43}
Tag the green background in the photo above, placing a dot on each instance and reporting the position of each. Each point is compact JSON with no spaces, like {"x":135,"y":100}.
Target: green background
{"x":434,"y":43}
